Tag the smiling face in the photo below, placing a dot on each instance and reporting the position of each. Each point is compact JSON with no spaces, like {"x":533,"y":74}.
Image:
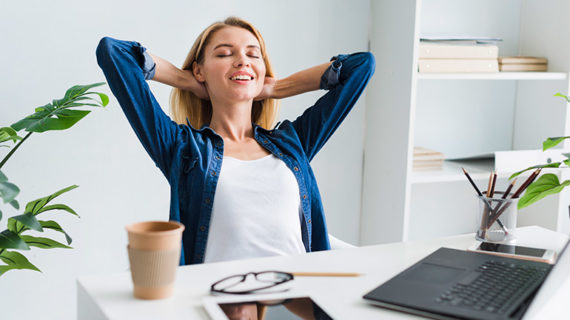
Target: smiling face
{"x":233,"y":68}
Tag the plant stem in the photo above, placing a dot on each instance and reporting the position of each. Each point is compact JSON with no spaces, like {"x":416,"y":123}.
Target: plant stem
{"x":14,"y":150}
{"x":6,"y":159}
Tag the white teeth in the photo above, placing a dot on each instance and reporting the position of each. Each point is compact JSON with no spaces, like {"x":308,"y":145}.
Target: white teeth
{"x":241,"y":77}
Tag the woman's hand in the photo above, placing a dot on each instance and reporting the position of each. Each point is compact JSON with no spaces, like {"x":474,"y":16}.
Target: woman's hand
{"x":194,"y":86}
{"x":169,"y":74}
{"x":239,"y":311}
{"x":268,"y":89}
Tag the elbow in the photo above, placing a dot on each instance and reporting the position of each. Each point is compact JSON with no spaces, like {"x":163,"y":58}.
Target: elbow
{"x":369,"y":62}
{"x":104,"y":49}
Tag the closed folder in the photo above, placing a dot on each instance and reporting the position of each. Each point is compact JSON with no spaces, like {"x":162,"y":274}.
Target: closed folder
{"x":432,"y":50}
{"x":458,"y":65}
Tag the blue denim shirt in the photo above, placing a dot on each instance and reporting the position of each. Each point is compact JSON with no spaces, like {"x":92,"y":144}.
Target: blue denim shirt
{"x":191,"y":158}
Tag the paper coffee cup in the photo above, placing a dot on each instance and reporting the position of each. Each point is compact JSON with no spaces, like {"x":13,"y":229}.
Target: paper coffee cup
{"x":154,"y":254}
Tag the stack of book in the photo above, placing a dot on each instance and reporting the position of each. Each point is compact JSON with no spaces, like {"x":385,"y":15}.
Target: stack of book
{"x":457,"y":55}
{"x":520,"y":63}
{"x":426,"y":159}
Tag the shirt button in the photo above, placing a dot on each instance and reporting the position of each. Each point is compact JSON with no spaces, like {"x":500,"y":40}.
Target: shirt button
{"x":207,"y":200}
{"x":217,"y":157}
{"x":213,"y":173}
{"x":265,"y":141}
{"x":202,"y":228}
{"x":309,"y":221}
{"x":296,"y":169}
{"x":280,"y":154}
{"x":304,"y":196}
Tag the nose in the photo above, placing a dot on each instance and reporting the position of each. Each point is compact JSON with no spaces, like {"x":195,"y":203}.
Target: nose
{"x":242,"y":60}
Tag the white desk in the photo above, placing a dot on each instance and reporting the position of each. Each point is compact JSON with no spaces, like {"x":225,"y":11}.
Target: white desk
{"x":110,"y":296}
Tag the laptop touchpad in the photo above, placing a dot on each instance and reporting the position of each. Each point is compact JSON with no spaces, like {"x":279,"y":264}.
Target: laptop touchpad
{"x":433,"y":273}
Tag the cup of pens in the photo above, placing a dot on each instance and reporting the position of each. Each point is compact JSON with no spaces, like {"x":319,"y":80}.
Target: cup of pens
{"x":497,"y":218}
{"x":497,"y":211}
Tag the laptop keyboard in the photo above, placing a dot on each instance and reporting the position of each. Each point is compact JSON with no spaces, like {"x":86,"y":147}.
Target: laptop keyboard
{"x":494,"y":288}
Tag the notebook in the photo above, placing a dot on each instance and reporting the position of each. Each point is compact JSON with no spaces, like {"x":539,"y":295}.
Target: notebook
{"x":451,"y":284}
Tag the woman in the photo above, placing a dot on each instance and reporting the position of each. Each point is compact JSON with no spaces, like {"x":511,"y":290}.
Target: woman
{"x":242,"y":188}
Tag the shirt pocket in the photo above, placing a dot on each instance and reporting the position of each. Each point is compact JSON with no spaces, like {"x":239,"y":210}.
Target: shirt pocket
{"x":188,"y":163}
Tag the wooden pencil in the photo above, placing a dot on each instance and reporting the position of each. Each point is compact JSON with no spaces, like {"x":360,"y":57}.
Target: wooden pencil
{"x":325,"y":274}
{"x":489,"y":185}
{"x":472,"y":183}
{"x":517,"y":193}
{"x":528,"y":181}
{"x":493,"y":183}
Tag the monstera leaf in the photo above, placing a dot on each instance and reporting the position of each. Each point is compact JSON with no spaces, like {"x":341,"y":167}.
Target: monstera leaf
{"x":58,"y":114}
{"x":546,"y":185}
{"x":7,"y":134}
{"x":12,"y":237}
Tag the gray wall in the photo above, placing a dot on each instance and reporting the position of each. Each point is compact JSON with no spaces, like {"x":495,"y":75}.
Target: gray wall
{"x":48,"y":46}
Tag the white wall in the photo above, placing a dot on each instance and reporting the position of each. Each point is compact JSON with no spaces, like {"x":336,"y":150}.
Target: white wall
{"x":47,"y":47}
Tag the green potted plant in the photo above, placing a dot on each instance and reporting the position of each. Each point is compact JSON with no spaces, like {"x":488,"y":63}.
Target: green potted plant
{"x":547,"y":184}
{"x":60,"y":114}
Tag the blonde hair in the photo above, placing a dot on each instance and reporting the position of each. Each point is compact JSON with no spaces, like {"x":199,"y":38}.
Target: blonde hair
{"x":185,"y":105}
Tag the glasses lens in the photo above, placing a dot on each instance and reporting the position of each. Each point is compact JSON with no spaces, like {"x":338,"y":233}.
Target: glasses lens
{"x":240,"y":283}
{"x":272,"y":277}
{"x":229,"y":282}
{"x":253,"y":282}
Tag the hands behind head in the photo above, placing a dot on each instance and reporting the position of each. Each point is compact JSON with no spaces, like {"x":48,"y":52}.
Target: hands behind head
{"x":268,"y":89}
{"x":196,"y":87}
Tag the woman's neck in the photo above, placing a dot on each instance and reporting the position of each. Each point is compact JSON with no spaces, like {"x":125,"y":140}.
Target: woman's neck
{"x":232,"y":121}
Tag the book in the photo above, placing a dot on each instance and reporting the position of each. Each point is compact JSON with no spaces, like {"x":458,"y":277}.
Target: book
{"x":522,"y":60}
{"x":427,"y":167}
{"x":421,"y":153}
{"x":464,"y":51}
{"x":426,"y":159}
{"x":522,"y":67}
{"x":458,"y":65}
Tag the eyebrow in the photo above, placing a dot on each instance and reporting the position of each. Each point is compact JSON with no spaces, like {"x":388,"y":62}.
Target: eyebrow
{"x":231,"y":46}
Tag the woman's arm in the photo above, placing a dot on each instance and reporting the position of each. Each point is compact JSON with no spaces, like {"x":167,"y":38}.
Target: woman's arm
{"x":300,"y":82}
{"x":167,"y":73}
{"x":126,"y":69}
{"x":346,"y":78}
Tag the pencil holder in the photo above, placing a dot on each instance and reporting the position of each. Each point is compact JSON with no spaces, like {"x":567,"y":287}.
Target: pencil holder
{"x":497,"y":219}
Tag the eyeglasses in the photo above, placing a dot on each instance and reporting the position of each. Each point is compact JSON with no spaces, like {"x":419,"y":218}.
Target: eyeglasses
{"x":244,"y":284}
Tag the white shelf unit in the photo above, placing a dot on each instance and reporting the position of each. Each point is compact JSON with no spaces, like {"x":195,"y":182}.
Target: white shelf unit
{"x":471,"y":114}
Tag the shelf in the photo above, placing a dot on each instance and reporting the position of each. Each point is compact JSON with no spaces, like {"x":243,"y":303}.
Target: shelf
{"x":495,"y":76}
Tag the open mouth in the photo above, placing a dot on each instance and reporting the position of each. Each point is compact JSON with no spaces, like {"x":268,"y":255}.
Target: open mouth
{"x":242,"y":77}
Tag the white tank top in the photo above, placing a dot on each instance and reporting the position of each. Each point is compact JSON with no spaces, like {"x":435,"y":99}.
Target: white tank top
{"x":256,"y":211}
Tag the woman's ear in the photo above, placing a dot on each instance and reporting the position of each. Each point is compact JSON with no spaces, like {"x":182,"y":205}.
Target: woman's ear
{"x":197,"y":72}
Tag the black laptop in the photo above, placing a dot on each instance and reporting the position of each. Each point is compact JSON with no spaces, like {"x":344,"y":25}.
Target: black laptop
{"x":452,"y":284}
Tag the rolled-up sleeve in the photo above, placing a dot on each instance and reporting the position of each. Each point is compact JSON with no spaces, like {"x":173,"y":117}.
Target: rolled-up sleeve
{"x":331,"y":76}
{"x":345,"y":79}
{"x":148,"y":64}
